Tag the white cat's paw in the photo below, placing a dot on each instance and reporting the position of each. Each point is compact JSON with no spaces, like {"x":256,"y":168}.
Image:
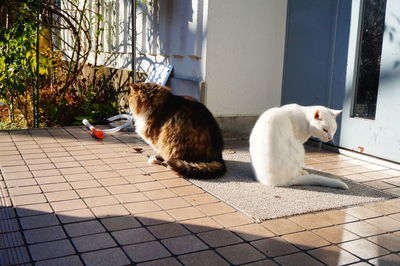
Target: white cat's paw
{"x":304,"y":172}
{"x":154,"y":160}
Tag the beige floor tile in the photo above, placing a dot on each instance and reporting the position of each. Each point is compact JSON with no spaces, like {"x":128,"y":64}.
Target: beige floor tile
{"x":298,"y":259}
{"x":282,"y":226}
{"x":113,"y":181}
{"x":389,"y":260}
{"x":110,"y":256}
{"x":359,"y":178}
{"x":386,"y":223}
{"x":50,"y":180}
{"x":172,"y":203}
{"x":311,"y":221}
{"x":142,"y":207}
{"x":306,"y":240}
{"x":84,"y":228}
{"x":109,"y":211}
{"x":232,"y":219}
{"x":24,"y":190}
{"x":146,"y":251}
{"x":75,"y":216}
{"x":363,"y":229}
{"x":38,"y":221}
{"x":333,"y":255}
{"x":384,"y":208}
{"x":51,"y":249}
{"x":78,"y":177}
{"x":149,"y":186}
{"x":28,"y":199}
{"x":273,"y":247}
{"x":240,"y":253}
{"x":44,"y":166}
{"x":199,"y":199}
{"x":18,"y":175}
{"x":201,"y":258}
{"x":100,"y":201}
{"x":93,"y":242}
{"x":69,"y":260}
{"x":379,"y":184}
{"x":361,"y":212}
{"x":44,"y":173}
{"x":121,"y":189}
{"x":176,"y":182}
{"x":395,"y":216}
{"x":159,"y":194}
{"x":105,"y":174}
{"x":61,"y":195}
{"x":219,"y":238}
{"x":216,"y":208}
{"x":55,"y":187}
{"x":68,"y":205}
{"x":388,"y":241}
{"x":202,"y":224}
{"x":395,"y":191}
{"x":132,"y":236}
{"x":120,"y":223}
{"x":168,"y":230}
{"x":336,"y":217}
{"x":92,"y":192}
{"x":252,"y":232}
{"x":185,"y":213}
{"x":335,"y":234}
{"x":153,"y":218}
{"x":21,"y":182}
{"x":44,"y":234}
{"x":131,"y":197}
{"x":85,"y":184}
{"x":34,"y":209}
{"x":364,"y":249}
{"x":139,"y":178}
{"x":187,"y":190}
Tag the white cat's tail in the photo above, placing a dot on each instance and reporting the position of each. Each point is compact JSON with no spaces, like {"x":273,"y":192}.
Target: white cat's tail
{"x":318,"y":180}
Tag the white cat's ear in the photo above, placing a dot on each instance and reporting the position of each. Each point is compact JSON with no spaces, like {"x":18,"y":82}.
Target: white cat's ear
{"x":335,"y":113}
{"x":317,"y":115}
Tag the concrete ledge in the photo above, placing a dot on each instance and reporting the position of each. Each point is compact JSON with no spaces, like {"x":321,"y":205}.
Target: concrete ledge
{"x":236,"y":126}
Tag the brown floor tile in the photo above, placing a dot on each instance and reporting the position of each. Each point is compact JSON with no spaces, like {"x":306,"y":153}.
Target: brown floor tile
{"x":363,"y":229}
{"x":185,"y":213}
{"x":364,"y":249}
{"x":184,"y":244}
{"x":232,"y":219}
{"x":163,"y":175}
{"x":176,"y":182}
{"x":306,"y":240}
{"x":388,"y":260}
{"x":388,"y":241}
{"x":379,"y":184}
{"x":93,"y":242}
{"x":51,"y":250}
{"x":240,"y":253}
{"x":68,"y":205}
{"x":333,"y":255}
{"x":149,"y":186}
{"x":38,"y":221}
{"x":146,"y":251}
{"x":282,"y":226}
{"x":105,"y":174}
{"x":336,"y":217}
{"x":273,"y":247}
{"x":298,"y":259}
{"x":159,"y":194}
{"x":386,"y":223}
{"x":75,"y":216}
{"x":120,"y":223}
{"x":69,"y":260}
{"x":132,"y":236}
{"x":16,"y":176}
{"x":201,"y":224}
{"x":311,"y":221}
{"x":207,"y":257}
{"x":138,"y":178}
{"x":335,"y":234}
{"x":113,"y":181}
{"x":142,"y":207}
{"x":219,"y":238}
{"x":252,"y":232}
{"x":44,"y":234}
{"x":172,"y":203}
{"x":13,"y":169}
{"x":111,"y":256}
{"x":84,"y":228}
{"x":187,"y":190}
{"x":384,"y":208}
{"x":168,"y":230}
{"x":153,"y":218}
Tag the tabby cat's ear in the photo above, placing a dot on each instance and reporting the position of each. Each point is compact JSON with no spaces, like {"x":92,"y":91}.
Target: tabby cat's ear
{"x":335,"y":113}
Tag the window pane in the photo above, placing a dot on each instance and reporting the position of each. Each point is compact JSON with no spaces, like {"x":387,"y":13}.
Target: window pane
{"x":369,"y":59}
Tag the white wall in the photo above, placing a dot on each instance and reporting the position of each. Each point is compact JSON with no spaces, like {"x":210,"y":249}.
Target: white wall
{"x":244,"y":56}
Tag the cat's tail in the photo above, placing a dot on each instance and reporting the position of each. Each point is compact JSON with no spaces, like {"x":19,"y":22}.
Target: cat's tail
{"x":319,"y":180}
{"x":197,"y":170}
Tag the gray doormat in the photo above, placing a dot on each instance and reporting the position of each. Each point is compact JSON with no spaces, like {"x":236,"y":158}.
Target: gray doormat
{"x":239,"y":189}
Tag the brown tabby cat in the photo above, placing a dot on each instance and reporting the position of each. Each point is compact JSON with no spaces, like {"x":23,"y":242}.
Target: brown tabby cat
{"x":182,"y":131}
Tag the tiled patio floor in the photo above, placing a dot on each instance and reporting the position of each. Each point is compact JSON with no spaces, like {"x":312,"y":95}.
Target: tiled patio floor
{"x":68,"y":199}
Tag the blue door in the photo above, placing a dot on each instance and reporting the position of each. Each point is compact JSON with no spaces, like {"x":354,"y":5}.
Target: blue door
{"x":371,"y":117}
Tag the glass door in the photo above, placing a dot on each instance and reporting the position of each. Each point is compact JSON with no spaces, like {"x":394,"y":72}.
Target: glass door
{"x":371,"y":112}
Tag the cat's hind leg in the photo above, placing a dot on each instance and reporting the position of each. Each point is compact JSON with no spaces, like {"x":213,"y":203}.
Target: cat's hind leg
{"x":156,"y":160}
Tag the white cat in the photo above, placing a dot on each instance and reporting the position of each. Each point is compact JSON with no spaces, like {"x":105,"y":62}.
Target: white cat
{"x":276,"y":144}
